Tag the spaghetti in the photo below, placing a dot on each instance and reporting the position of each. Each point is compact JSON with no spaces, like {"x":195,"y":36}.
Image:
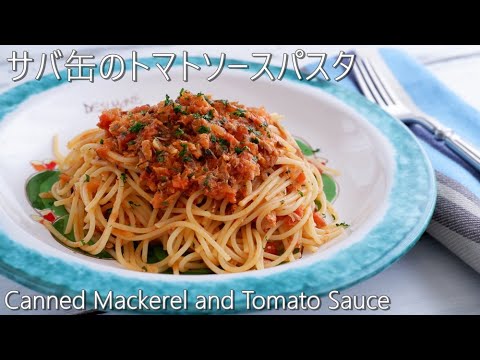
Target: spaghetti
{"x":220,"y":186}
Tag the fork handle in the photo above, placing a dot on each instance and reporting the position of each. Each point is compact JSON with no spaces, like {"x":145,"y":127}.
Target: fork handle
{"x":462,"y":148}
{"x":466,"y":150}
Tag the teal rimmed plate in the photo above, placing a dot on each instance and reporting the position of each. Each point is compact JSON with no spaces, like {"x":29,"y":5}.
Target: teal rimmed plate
{"x":386,"y":189}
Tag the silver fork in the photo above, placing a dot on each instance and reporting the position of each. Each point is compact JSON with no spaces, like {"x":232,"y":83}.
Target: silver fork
{"x":380,"y":86}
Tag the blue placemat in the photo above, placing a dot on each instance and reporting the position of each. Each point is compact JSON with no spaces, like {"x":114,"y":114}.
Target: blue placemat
{"x":456,"y":220}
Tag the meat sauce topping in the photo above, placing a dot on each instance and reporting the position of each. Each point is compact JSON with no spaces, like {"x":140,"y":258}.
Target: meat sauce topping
{"x":192,"y":143}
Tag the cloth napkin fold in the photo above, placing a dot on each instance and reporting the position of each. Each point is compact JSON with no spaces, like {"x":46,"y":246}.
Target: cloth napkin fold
{"x":456,"y":220}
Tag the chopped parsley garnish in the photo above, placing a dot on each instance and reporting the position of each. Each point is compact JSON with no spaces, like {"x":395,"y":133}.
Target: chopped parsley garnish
{"x":101,"y":141}
{"x":160,"y":156}
{"x":179,"y":109}
{"x":183,"y":154}
{"x":208,"y":116}
{"x":167,"y":100}
{"x":143,"y":112}
{"x":132,"y":204}
{"x":206,"y":181}
{"x":240,"y":150}
{"x":224,"y":102}
{"x":318,"y":204}
{"x":203,"y":130}
{"x":179,"y":132}
{"x":224,"y":143}
{"x":254,"y":158}
{"x":165,"y":203}
{"x":197,"y":115}
{"x":163,"y":178}
{"x":296,"y":251}
{"x":87,"y":178}
{"x":254,"y":140}
{"x":130,"y":114}
{"x":123,"y":176}
{"x":264,"y":124}
{"x":182,"y":91}
{"x":251,"y":129}
{"x":239,"y":112}
{"x":137,"y":127}
{"x":200,"y":94}
{"x":300,"y":193}
{"x":131,"y":142}
{"x":213,"y":138}
{"x":345,"y":225}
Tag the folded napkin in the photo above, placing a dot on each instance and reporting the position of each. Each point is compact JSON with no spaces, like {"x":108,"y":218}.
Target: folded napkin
{"x":456,"y":220}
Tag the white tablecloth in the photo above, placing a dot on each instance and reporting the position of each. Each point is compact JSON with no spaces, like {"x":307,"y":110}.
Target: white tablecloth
{"x":429,"y":279}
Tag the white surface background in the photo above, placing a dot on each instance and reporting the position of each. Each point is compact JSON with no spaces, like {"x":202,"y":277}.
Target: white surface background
{"x":427,"y":280}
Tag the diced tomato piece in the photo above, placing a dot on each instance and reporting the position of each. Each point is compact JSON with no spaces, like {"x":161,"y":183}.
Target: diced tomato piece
{"x":271,"y":248}
{"x":38,"y":167}
{"x":240,"y":133}
{"x":301,"y":178}
{"x":269,"y":221}
{"x":292,"y":188}
{"x":102,"y":151}
{"x":149,"y":132}
{"x":140,"y":108}
{"x":179,"y":183}
{"x":64,"y":178}
{"x":289,"y":221}
{"x":105,"y":121}
{"x":157,"y":200}
{"x":49,"y":217}
{"x":299,"y":211}
{"x":319,"y":220}
{"x":51,"y":165}
{"x":123,"y":140}
{"x":231,"y":197}
{"x":231,"y":139}
{"x":93,"y":185}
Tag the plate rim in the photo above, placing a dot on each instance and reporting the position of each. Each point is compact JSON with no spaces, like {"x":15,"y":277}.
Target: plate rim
{"x":14,"y":256}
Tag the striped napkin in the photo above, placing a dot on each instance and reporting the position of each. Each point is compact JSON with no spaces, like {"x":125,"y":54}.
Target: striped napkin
{"x":456,"y":220}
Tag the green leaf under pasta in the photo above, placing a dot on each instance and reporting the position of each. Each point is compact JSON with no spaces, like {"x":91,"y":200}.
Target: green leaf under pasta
{"x":329,"y":187}
{"x":61,"y":224}
{"x":305,"y":148}
{"x":329,"y":184}
{"x":40,"y":183}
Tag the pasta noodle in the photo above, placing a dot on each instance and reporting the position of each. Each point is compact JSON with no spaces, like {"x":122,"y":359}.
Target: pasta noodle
{"x":270,"y":212}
